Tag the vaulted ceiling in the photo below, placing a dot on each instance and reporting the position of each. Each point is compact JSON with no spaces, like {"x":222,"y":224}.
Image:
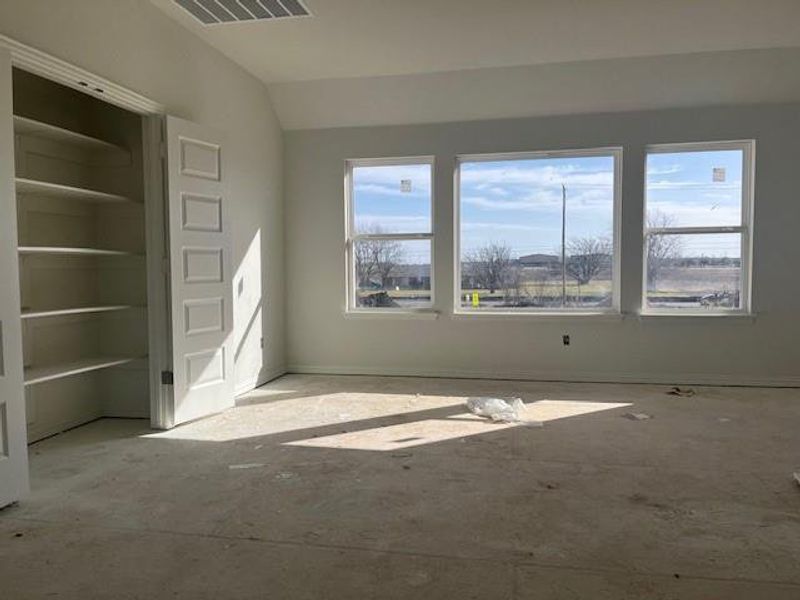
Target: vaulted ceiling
{"x":362,"y":38}
{"x":395,"y":61}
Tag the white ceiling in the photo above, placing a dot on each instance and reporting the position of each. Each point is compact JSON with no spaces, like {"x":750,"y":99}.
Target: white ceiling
{"x":367,"y":38}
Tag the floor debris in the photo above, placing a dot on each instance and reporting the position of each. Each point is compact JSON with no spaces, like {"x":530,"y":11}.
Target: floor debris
{"x":500,"y":411}
{"x":797,"y":477}
{"x":285,"y":475}
{"x":495,"y":409}
{"x":682,"y":392}
{"x":246,"y":466}
{"x":637,"y":416}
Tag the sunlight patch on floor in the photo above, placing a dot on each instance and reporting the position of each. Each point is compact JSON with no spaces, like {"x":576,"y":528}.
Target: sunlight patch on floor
{"x":429,"y":431}
{"x":272,"y":417}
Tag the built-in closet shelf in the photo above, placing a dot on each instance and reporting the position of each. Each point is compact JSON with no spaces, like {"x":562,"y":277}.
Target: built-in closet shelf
{"x":55,"y":250}
{"x":62,"y":312}
{"x":53,"y":133}
{"x":41,"y":374}
{"x":66,"y":192}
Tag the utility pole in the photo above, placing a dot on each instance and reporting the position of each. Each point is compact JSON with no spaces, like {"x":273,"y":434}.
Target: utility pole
{"x":563,"y":245}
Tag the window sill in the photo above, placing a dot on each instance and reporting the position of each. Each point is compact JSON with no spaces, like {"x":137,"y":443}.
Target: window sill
{"x":390,"y":314}
{"x":543,"y":316}
{"x":738,"y":317}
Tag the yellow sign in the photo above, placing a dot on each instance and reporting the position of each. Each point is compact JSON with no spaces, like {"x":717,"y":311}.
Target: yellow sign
{"x":475,"y":300}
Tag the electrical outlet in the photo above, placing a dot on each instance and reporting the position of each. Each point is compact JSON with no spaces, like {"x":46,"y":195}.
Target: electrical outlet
{"x":565,"y":339}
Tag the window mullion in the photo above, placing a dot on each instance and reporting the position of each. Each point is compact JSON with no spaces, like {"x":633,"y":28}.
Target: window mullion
{"x":392,"y":236}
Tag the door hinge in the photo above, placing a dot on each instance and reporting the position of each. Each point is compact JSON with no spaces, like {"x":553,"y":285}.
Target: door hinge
{"x":167,"y":378}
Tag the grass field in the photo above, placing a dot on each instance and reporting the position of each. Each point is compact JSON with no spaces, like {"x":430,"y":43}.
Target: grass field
{"x":674,"y":282}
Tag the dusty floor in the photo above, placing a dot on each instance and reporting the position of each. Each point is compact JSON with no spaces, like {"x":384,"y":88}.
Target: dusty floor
{"x":368,"y":487}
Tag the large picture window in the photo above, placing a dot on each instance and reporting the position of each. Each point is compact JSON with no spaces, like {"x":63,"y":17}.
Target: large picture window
{"x":537,"y":232}
{"x":389,"y":234}
{"x":697,"y":227}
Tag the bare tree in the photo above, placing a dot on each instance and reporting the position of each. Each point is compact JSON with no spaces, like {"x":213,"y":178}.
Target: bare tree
{"x":538,"y":291}
{"x":490,"y":265}
{"x":661,"y":249}
{"x":376,"y":258}
{"x":388,"y":254}
{"x":365,"y":267}
{"x":513,"y":287}
{"x":587,"y":257}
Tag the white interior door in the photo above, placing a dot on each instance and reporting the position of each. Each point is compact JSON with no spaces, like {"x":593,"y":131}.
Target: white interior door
{"x":13,"y":433}
{"x":200,"y":272}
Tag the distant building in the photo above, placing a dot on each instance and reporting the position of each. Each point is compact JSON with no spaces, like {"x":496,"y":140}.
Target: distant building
{"x":409,"y":277}
{"x":539,"y":260}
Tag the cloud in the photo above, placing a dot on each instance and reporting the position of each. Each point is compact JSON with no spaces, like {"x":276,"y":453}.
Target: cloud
{"x":693,"y":185}
{"x":545,"y":201}
{"x":545,"y":175}
{"x":386,"y":179}
{"x":385,"y":190}
{"x":696,"y":215}
{"x":665,"y":170}
{"x":393,"y":223}
{"x":488,"y":226}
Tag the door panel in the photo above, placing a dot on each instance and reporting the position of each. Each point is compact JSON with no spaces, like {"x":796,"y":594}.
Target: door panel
{"x":201,"y":292}
{"x":13,"y":433}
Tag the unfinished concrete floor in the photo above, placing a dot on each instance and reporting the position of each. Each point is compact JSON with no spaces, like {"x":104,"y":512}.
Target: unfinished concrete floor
{"x":369,"y":487}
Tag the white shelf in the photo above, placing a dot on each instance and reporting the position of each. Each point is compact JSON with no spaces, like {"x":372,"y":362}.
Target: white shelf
{"x":53,"y":133}
{"x":57,"y":190}
{"x":35,"y":375}
{"x":39,"y":314}
{"x":73,"y":251}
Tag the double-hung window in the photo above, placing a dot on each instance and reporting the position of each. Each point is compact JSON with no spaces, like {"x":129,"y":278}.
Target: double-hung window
{"x":698,"y":224}
{"x":389,"y":225}
{"x":538,"y":232}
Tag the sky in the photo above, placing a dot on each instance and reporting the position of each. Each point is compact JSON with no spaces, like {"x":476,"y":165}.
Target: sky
{"x":518,"y":202}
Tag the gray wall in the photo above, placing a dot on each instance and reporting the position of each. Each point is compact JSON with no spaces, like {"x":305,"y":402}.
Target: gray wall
{"x":762,"y":349}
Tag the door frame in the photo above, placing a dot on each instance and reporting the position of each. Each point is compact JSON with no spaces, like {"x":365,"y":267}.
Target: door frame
{"x":153,"y":116}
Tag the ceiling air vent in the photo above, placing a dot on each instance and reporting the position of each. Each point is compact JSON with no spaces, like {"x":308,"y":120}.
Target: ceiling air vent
{"x":214,"y":12}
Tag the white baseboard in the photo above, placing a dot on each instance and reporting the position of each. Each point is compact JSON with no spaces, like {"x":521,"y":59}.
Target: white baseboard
{"x":585,"y":377}
{"x":264,"y":376}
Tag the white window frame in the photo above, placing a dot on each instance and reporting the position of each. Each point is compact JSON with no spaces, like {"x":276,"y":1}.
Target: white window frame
{"x":745,"y":228}
{"x":616,"y":262}
{"x":352,"y":236}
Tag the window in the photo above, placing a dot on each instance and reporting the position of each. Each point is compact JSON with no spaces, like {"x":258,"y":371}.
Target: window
{"x":389,"y":234}
{"x":537,"y":232}
{"x":697,"y":227}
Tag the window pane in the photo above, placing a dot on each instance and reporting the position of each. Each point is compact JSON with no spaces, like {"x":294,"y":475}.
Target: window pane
{"x":511,"y":233}
{"x":694,"y":189}
{"x":392,"y":199}
{"x":699,"y":271}
{"x":392,"y":273}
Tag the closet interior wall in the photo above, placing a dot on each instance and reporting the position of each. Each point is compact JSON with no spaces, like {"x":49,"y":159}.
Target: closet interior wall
{"x":81,"y":212}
